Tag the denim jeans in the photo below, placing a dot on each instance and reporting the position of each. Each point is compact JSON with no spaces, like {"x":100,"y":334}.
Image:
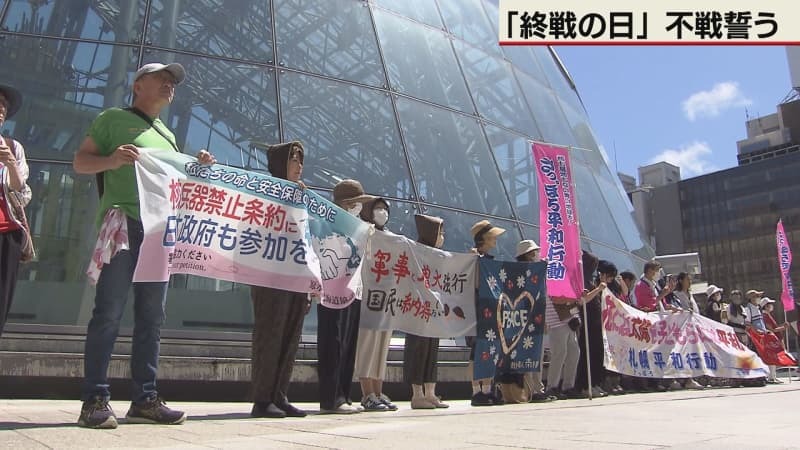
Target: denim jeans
{"x":113,"y":285}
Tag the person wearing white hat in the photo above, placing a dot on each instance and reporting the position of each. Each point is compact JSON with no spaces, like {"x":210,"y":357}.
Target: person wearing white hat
{"x":528,"y":251}
{"x":767,"y":306}
{"x":109,"y":151}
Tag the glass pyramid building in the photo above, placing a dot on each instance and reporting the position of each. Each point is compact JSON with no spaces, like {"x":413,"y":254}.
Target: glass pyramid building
{"x":414,"y":98}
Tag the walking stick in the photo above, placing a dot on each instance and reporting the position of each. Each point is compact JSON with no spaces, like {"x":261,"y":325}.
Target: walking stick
{"x":586,"y":345}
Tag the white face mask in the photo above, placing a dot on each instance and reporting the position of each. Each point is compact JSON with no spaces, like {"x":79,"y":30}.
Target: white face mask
{"x":380,"y":217}
{"x":355,"y":209}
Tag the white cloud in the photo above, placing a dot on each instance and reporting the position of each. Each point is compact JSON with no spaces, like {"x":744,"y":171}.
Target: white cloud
{"x":711,"y":103}
{"x":693,"y":158}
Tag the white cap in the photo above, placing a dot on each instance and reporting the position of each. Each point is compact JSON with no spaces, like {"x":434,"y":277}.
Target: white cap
{"x":765,"y":301}
{"x":175,"y":69}
{"x":526,"y":246}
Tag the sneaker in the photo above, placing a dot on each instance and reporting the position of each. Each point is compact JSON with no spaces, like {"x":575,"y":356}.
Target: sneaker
{"x":388,"y":402}
{"x":421,"y":403}
{"x":96,"y":413}
{"x":556,"y":394}
{"x":540,"y":397}
{"x":264,"y":409}
{"x":154,"y":411}
{"x":694,"y":385}
{"x":344,"y":408}
{"x":481,"y":399}
{"x":675,"y":386}
{"x":372,"y":404}
{"x":774,"y":381}
{"x":290,"y":410}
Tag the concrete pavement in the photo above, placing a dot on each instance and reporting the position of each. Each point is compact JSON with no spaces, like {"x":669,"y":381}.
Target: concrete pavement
{"x":723,"y":418}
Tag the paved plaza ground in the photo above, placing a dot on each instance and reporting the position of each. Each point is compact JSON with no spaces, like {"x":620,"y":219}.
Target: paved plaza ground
{"x":723,"y":418}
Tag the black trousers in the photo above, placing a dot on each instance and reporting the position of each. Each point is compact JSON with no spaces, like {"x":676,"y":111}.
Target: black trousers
{"x":337,"y":336}
{"x":594,"y":320}
{"x":419,"y":359}
{"x":278,"y":322}
{"x":10,"y":252}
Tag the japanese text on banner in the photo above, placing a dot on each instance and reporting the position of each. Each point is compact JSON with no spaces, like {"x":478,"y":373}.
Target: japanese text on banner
{"x":672,"y":345}
{"x":417,"y":289}
{"x":234,"y":225}
{"x":511,"y":308}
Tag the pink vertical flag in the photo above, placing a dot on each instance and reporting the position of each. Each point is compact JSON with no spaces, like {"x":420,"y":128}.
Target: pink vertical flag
{"x":785,"y":261}
{"x":558,"y":222}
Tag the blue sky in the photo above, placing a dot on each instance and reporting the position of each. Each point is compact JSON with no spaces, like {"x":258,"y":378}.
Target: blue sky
{"x":685,"y":105}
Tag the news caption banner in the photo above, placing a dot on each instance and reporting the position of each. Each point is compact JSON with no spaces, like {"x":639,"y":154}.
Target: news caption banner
{"x":231,"y":224}
{"x":672,"y":345}
{"x":417,"y":289}
{"x":632,"y":22}
{"x":510,"y":322}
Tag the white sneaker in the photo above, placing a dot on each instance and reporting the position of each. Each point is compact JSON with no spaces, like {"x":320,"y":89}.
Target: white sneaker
{"x":692,"y":384}
{"x":344,"y":408}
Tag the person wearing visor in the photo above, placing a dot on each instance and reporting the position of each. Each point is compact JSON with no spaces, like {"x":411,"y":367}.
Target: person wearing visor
{"x":484,"y":235}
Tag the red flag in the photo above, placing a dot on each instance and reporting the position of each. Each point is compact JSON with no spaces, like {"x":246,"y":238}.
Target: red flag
{"x":770,"y":349}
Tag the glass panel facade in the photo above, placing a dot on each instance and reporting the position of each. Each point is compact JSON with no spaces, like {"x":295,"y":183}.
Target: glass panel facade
{"x":100,"y":20}
{"x":424,"y":11}
{"x":74,"y":82}
{"x":421,"y":62}
{"x":595,"y":218}
{"x":494,"y":89}
{"x":239,"y":29}
{"x":429,"y":112}
{"x":333,"y":38}
{"x":467,"y":20}
{"x":514,"y":157}
{"x":224,"y":118}
{"x":450,"y":159}
{"x":364,"y":144}
{"x":546,"y":111}
{"x":457,"y":237}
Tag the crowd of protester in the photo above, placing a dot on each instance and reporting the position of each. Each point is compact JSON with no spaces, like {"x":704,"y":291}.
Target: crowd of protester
{"x":346,"y":351}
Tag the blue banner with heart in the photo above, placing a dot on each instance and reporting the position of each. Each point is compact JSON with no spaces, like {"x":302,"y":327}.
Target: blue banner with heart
{"x":510,"y":317}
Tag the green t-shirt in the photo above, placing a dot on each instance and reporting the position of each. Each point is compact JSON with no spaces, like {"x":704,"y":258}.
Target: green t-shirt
{"x":115,"y":127}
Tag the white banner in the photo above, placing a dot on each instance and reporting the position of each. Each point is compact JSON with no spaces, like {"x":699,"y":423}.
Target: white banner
{"x":231,"y":224}
{"x":672,"y":345}
{"x":417,"y":289}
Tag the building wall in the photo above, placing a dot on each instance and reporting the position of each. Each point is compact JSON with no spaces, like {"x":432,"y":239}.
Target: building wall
{"x":415,"y":99}
{"x":729,"y":217}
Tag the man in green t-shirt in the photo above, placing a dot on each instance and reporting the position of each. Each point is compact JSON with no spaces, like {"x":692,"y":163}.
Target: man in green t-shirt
{"x":110,"y":149}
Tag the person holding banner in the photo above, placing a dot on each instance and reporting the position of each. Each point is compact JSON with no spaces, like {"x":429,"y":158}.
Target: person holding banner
{"x":528,"y":251}
{"x":110,"y":150}
{"x":649,"y":297}
{"x":606,"y":273}
{"x":421,"y":353}
{"x":767,"y":305}
{"x":372,"y":349}
{"x":714,"y":303}
{"x":277,"y":315}
{"x":337,"y":328}
{"x":484,"y":235}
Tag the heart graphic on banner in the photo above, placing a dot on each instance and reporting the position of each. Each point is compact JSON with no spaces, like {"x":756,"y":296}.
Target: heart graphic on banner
{"x":512,"y":318}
